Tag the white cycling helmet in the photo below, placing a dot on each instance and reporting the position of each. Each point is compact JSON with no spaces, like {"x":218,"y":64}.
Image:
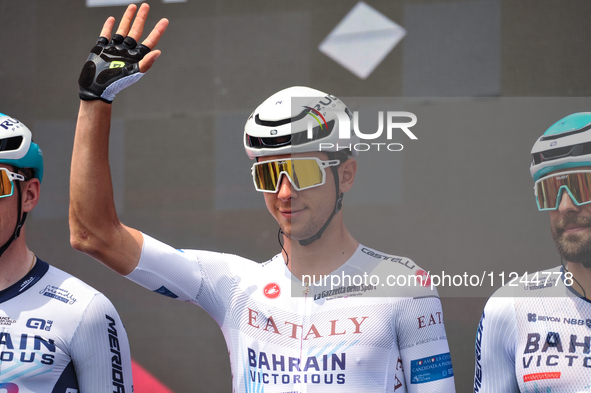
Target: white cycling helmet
{"x":566,"y":144}
{"x":283,"y":122}
{"x":17,"y":147}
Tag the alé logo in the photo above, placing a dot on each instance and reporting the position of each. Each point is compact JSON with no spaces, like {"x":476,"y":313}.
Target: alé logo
{"x":332,"y":103}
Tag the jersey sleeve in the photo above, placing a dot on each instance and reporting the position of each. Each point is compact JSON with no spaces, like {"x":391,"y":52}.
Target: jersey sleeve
{"x":200,"y":277}
{"x":100,"y":350}
{"x":423,"y":345}
{"x":495,"y":348}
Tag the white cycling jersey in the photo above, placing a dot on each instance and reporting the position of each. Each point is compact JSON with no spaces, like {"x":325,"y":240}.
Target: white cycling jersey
{"x":58,"y":335}
{"x":535,"y":337}
{"x":342,"y":339}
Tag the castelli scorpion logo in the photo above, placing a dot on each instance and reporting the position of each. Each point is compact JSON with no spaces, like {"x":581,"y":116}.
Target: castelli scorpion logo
{"x":272,"y":290}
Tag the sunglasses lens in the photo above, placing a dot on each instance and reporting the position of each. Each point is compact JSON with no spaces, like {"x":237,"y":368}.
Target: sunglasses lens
{"x":5,"y":184}
{"x":303,"y":174}
{"x":306,"y":174}
{"x":549,"y":189}
{"x":266,"y":175}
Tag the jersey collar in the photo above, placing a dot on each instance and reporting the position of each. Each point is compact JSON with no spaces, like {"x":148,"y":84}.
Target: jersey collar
{"x":26,"y":282}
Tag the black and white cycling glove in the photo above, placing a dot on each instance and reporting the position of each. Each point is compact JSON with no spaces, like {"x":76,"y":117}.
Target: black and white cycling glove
{"x":111,"y":67}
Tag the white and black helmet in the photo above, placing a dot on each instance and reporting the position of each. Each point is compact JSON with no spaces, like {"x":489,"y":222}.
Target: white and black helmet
{"x":566,"y":144}
{"x":299,"y":119}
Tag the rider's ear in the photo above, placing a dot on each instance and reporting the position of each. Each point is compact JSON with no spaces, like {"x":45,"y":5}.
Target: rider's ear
{"x":347,"y":171}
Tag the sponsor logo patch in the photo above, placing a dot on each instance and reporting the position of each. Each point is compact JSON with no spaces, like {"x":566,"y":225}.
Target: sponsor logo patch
{"x":272,"y":290}
{"x":166,"y":292}
{"x":41,"y":324}
{"x":432,"y":368}
{"x":423,"y":278}
{"x":61,"y":294}
{"x":6,"y":321}
{"x":538,"y":376}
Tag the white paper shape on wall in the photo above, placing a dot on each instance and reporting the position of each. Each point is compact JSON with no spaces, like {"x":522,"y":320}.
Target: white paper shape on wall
{"x":362,"y":40}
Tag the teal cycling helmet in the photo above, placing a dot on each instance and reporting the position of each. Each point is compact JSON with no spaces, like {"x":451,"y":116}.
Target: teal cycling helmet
{"x":566,"y":144}
{"x":17,"y":147}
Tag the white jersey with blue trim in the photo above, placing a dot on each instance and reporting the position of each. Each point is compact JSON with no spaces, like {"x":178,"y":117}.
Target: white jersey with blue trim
{"x":59,"y":335}
{"x":535,"y":337}
{"x":349,"y":338}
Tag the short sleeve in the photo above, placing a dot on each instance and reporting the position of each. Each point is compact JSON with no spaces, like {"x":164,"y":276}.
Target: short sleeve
{"x":495,"y":348}
{"x":100,"y":350}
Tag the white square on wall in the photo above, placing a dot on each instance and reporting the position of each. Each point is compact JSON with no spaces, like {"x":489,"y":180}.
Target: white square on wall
{"x":362,"y":40}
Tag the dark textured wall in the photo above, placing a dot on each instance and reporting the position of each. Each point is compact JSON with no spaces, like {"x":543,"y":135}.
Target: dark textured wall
{"x":458,"y":199}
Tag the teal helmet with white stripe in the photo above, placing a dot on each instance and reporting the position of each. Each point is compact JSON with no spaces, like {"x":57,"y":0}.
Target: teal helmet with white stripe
{"x":565,"y":145}
{"x":17,"y":147}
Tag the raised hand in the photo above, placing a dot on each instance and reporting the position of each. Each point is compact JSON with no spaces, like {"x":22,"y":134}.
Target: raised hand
{"x":116,"y":64}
